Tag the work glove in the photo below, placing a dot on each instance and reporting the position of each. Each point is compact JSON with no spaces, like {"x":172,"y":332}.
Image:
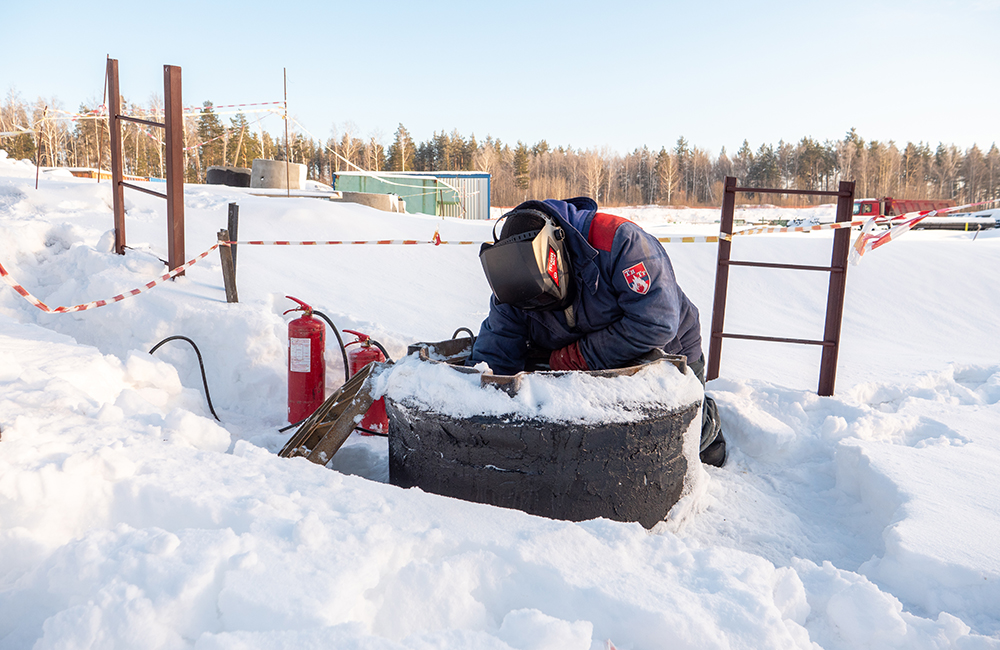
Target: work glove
{"x":568,"y":358}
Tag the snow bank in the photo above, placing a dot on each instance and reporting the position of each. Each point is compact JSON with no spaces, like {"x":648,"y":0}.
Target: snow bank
{"x":130,"y":518}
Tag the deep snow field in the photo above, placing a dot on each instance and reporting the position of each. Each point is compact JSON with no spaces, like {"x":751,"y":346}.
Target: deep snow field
{"x":131,"y":518}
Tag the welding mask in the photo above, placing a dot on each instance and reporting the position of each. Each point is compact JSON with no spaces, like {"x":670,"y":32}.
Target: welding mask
{"x":528,"y":267}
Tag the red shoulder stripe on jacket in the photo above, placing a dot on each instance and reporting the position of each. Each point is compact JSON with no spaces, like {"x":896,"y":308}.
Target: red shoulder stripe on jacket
{"x":602,"y":230}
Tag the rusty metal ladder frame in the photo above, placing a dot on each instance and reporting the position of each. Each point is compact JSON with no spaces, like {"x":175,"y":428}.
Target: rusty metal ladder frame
{"x":835,"y":294}
{"x":173,"y":124}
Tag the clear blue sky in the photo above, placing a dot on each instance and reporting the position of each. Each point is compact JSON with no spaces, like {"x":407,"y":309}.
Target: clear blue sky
{"x":585,"y":74}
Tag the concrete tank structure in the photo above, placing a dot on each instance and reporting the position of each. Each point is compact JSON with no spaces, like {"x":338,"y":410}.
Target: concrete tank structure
{"x":276,"y":174}
{"x":227,"y":175}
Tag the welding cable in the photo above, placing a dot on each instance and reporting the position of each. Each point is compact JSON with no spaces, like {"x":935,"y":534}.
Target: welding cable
{"x":284,"y":429}
{"x":201,"y":365}
{"x":371,"y":432}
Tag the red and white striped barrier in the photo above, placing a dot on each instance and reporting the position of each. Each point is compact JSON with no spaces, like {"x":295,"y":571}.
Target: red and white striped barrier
{"x":97,"y":303}
{"x":773,"y":229}
{"x":198,"y":109}
{"x":24,"y":293}
{"x":866,"y":242}
{"x":101,"y":112}
{"x":437,"y":241}
{"x":909,"y":217}
{"x":711,"y":239}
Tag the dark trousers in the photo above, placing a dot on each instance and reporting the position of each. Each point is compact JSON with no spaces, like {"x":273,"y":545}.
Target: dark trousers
{"x":711,"y":425}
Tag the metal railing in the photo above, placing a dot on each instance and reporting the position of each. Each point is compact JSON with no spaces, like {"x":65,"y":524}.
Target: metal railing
{"x":173,"y":124}
{"x":835,"y":296}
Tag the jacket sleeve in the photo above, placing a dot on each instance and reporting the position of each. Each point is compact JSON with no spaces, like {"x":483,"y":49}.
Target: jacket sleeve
{"x":503,"y":340}
{"x":645,"y":290}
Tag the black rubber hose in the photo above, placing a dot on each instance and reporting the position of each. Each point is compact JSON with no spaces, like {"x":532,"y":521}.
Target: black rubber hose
{"x":379,"y":346}
{"x":343,"y":350}
{"x":201,"y":365}
{"x":284,"y":429}
{"x":463,"y":329}
{"x":371,"y":433}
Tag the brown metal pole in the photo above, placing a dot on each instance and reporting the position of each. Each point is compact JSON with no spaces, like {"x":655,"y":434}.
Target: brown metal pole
{"x":174,"y":123}
{"x":114,"y":127}
{"x":38,"y":146}
{"x":721,"y":279}
{"x":97,"y":134}
{"x":288,"y":186}
{"x":838,"y":289}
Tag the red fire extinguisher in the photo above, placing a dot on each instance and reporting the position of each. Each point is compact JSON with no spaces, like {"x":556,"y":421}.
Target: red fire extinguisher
{"x":375,"y":419}
{"x":306,"y":366}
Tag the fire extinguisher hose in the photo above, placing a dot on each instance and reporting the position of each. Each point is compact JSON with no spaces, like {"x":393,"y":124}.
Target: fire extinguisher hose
{"x":379,"y":346}
{"x":343,"y":350}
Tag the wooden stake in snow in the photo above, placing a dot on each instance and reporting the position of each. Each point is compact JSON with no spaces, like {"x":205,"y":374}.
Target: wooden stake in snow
{"x":228,"y":268}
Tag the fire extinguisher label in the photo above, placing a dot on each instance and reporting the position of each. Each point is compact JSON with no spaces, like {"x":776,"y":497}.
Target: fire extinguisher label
{"x":299,"y":354}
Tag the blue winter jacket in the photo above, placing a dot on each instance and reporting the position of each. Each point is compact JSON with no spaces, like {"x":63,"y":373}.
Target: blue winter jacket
{"x":627,"y":299}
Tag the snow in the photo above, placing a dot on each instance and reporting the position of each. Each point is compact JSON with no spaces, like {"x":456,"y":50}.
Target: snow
{"x":130,"y":517}
{"x":551,"y":397}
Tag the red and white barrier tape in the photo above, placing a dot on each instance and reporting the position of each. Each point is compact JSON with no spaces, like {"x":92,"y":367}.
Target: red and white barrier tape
{"x":201,"y":144}
{"x":97,"y":303}
{"x":101,"y":112}
{"x":865,"y":242}
{"x":773,"y":229}
{"x":908,"y":217}
{"x":437,"y":241}
{"x":711,"y":239}
{"x":201,"y":108}
{"x":24,"y":293}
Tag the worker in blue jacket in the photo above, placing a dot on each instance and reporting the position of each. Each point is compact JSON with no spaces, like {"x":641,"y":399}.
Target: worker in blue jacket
{"x":577,"y":289}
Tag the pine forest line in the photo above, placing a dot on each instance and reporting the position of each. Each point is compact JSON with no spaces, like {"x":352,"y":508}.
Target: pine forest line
{"x":683,"y":174}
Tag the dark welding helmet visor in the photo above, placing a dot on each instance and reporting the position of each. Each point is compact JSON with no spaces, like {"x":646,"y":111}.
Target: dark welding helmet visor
{"x":528,"y":267}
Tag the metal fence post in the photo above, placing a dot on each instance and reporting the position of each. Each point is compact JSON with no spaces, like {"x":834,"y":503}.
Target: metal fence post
{"x":117,"y":175}
{"x":837,"y":291}
{"x":721,"y":279}
{"x":174,"y":124}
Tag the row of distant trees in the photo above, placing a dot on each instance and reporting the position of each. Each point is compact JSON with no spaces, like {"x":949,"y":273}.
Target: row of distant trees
{"x":683,"y":174}
{"x":53,"y":138}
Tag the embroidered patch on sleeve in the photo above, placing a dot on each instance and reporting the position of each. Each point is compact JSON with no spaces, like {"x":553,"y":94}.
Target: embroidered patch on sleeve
{"x":637,"y":278}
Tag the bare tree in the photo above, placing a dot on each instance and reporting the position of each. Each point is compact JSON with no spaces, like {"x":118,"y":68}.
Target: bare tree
{"x":374,"y":152}
{"x":594,"y":173}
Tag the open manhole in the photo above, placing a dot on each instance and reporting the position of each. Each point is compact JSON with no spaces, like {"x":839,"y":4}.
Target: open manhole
{"x":629,"y":466}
